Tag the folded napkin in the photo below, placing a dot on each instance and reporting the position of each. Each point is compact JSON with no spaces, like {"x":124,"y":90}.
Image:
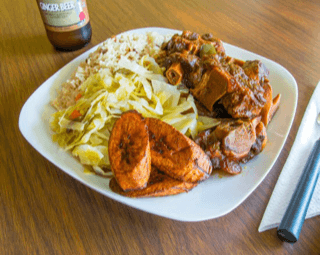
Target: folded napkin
{"x":308,"y":134}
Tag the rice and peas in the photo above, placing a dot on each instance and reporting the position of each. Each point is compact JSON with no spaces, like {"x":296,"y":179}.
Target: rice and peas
{"x":120,"y":75}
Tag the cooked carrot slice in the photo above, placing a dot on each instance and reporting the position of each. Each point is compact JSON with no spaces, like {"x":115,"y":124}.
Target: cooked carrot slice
{"x":78,"y":97}
{"x":75,"y":114}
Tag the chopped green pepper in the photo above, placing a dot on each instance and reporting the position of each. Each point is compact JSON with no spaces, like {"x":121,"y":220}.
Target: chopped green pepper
{"x":207,"y":49}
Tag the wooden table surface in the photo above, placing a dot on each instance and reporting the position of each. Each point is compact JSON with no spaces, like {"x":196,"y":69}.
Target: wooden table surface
{"x":45,"y":211}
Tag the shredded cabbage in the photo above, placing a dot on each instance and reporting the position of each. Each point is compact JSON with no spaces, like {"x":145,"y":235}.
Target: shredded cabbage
{"x":106,"y":95}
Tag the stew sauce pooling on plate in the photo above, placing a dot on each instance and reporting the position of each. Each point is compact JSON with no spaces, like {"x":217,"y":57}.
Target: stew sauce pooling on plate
{"x":236,"y":91}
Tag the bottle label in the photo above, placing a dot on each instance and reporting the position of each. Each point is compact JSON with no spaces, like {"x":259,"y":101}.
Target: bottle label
{"x":63,"y":15}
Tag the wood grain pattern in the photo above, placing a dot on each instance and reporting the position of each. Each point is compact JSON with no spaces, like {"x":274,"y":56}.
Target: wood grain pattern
{"x":44,"y":211}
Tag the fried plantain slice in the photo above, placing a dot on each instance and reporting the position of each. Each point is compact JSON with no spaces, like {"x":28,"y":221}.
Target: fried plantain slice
{"x":159,"y":185}
{"x":129,"y":151}
{"x":175,"y":154}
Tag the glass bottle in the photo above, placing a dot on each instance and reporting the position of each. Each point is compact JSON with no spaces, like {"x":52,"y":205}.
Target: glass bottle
{"x":66,"y":22}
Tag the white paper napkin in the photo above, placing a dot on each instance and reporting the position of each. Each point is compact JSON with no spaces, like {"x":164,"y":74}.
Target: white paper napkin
{"x":308,"y":133}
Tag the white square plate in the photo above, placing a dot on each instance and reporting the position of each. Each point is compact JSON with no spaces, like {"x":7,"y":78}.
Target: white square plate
{"x":212,"y":198}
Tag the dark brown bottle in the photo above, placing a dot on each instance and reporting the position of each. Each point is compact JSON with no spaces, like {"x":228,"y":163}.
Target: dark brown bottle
{"x":67,"y":23}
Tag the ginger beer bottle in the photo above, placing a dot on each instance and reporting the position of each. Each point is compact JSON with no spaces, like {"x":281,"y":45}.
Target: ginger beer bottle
{"x":66,"y":22}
